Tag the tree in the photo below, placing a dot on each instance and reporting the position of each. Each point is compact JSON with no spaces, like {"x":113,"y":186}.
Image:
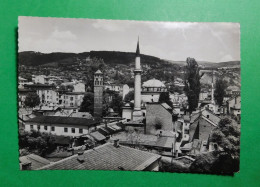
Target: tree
{"x":129,"y":96}
{"x":117,"y":103}
{"x":87,"y":104}
{"x":165,"y":98}
{"x":219,"y":92}
{"x":192,"y":83}
{"x":32,"y":99}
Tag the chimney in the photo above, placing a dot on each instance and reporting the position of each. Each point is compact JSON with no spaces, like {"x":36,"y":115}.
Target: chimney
{"x":116,"y":143}
{"x":80,"y":156}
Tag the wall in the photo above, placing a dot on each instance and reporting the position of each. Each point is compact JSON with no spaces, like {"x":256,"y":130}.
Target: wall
{"x":157,"y":114}
{"x":59,"y":130}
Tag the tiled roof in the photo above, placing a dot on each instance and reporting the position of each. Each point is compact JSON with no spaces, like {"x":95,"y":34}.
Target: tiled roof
{"x":35,"y":160}
{"x":98,"y":136}
{"x":63,"y":120}
{"x":107,"y":157}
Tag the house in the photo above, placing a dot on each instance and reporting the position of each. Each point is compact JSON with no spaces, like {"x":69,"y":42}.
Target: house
{"x":234,"y":106}
{"x":196,"y":131}
{"x":109,"y":157}
{"x":32,"y":162}
{"x":47,"y":93}
{"x":61,"y":126}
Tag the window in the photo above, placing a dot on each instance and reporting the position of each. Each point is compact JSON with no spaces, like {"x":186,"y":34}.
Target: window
{"x":31,"y":127}
{"x":71,"y":98}
{"x":72,"y":130}
{"x":71,"y":104}
{"x":80,"y":131}
{"x":65,"y":129}
{"x":45,"y":128}
{"x":38,"y":127}
{"x":52,"y":128}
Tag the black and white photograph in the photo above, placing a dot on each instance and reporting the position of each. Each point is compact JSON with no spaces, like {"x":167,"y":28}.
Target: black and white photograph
{"x":128,"y":95}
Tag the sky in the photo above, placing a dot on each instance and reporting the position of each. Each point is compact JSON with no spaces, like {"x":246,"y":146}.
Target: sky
{"x":212,"y":42}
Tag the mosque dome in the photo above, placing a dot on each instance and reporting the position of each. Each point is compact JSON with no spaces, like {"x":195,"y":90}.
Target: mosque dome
{"x":153,"y":83}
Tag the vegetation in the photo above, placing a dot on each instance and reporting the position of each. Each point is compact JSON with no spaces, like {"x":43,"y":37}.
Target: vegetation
{"x":87,"y":104}
{"x":32,"y":100}
{"x":39,"y":143}
{"x":225,"y":159}
{"x":130,"y":96}
{"x":117,"y":103}
{"x":192,"y":83}
{"x":165,"y":98}
{"x":219,"y":92}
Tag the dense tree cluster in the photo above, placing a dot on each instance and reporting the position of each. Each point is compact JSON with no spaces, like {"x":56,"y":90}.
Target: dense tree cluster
{"x":32,"y":100}
{"x":39,"y":143}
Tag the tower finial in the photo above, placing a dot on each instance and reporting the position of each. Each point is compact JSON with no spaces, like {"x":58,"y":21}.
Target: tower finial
{"x":137,"y":48}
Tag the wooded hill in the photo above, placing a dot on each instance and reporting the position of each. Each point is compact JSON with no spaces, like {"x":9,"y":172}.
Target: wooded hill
{"x":31,"y":58}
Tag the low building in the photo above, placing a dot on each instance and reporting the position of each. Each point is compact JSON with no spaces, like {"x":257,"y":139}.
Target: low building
{"x":61,"y":126}
{"x":109,"y":157}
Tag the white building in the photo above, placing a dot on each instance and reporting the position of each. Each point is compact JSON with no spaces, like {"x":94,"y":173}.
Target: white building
{"x":151,"y":90}
{"x":61,"y":126}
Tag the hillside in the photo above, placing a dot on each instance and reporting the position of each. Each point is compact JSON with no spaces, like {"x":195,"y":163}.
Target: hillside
{"x":31,"y":58}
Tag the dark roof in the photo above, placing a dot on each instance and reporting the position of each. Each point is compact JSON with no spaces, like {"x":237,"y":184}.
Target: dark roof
{"x":107,"y":157}
{"x":48,"y":120}
{"x":74,"y":93}
{"x":35,"y":160}
{"x":38,"y":85}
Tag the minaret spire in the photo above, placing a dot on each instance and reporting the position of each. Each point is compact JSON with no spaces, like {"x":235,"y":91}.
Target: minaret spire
{"x":137,"y":48}
{"x":137,"y":113}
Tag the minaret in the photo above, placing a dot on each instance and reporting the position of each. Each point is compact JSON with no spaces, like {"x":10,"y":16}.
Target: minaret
{"x":212,"y":88}
{"x":98,"y":93}
{"x":137,"y":113}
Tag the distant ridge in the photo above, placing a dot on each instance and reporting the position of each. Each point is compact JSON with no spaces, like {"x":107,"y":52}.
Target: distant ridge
{"x":32,"y":58}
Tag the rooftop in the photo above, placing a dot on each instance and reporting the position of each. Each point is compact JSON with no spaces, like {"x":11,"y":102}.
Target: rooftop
{"x":107,"y":157}
{"x":48,"y":120}
{"x":153,"y":83}
{"x":35,"y":160}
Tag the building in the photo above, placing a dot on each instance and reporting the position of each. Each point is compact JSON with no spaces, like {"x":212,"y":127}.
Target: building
{"x":32,"y":162}
{"x":234,"y":106}
{"x":22,"y":93}
{"x":196,"y":130}
{"x":61,"y":126}
{"x":109,"y":157}
{"x":158,"y":118}
{"x":98,"y":93}
{"x":151,"y":90}
{"x":47,"y":93}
